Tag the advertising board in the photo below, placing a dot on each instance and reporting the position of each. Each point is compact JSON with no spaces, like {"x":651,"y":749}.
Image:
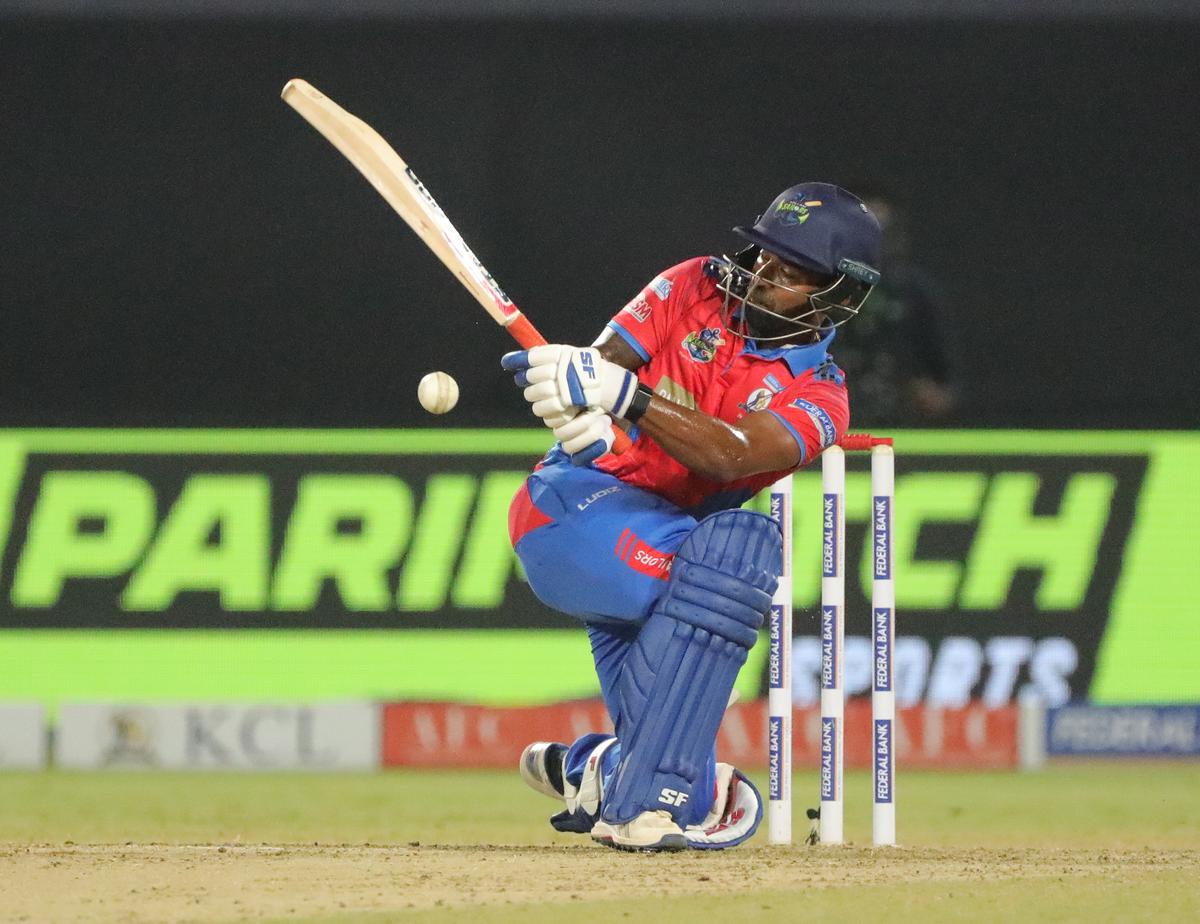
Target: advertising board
{"x":218,"y":736}
{"x":274,"y":564}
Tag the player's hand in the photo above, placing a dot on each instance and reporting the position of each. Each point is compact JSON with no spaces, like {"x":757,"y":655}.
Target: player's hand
{"x":576,"y":432}
{"x":517,"y":362}
{"x":558,"y":378}
{"x":586,"y":436}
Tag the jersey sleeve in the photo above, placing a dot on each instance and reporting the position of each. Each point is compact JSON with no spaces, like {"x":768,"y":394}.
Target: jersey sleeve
{"x":646,"y":320}
{"x":816,"y":412}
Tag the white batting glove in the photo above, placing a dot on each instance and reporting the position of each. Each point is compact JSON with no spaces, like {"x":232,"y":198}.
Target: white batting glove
{"x":517,"y":363}
{"x":561,"y":377}
{"x":559,"y":419}
{"x":586,"y":436}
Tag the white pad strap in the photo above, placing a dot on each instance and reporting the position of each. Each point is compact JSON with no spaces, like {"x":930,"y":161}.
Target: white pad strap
{"x":589,"y":794}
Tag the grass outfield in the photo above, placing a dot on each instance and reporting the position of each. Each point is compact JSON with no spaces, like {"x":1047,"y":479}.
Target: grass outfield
{"x":1090,"y":842}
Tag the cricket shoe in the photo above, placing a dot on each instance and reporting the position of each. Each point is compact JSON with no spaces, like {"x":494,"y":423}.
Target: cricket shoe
{"x":542,"y":768}
{"x":649,"y":832}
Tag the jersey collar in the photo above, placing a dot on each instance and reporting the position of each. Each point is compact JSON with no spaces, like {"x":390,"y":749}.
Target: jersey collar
{"x":799,"y":359}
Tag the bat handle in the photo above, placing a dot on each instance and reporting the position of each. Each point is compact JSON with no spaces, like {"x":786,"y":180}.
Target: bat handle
{"x":527,"y":336}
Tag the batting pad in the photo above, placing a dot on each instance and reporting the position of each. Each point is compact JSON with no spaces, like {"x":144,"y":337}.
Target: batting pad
{"x":676,"y":680}
{"x":734,"y":816}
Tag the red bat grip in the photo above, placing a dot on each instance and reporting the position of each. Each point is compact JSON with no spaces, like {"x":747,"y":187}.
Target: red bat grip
{"x":525,"y":333}
{"x":527,"y":336}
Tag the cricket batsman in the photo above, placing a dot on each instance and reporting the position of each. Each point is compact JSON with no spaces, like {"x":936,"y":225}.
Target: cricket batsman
{"x":720,"y":370}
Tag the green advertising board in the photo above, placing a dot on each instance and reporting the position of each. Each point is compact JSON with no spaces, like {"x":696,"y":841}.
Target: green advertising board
{"x":173,"y":564}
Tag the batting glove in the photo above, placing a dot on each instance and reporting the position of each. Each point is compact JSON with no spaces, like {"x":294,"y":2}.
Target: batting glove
{"x":586,"y":436}
{"x":557,"y":378}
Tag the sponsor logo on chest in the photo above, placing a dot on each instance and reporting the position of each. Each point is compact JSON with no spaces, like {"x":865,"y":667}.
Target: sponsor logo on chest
{"x":760,"y":398}
{"x":702,"y":345}
{"x":757,"y":400}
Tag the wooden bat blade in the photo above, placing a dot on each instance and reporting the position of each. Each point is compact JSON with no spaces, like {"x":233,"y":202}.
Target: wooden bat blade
{"x":395,"y":181}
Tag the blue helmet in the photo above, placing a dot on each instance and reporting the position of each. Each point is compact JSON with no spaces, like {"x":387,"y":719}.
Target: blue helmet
{"x":823,"y":228}
{"x":817,"y":226}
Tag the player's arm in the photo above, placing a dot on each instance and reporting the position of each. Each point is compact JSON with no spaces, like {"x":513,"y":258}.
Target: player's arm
{"x":723,"y":452}
{"x":560,"y":380}
{"x":706,"y":445}
{"x":616,"y":350}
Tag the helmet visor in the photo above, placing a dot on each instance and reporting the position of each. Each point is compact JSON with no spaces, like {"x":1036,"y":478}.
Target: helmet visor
{"x":842,"y":300}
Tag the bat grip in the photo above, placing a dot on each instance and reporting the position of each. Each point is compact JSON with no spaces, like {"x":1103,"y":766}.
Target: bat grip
{"x":527,"y":336}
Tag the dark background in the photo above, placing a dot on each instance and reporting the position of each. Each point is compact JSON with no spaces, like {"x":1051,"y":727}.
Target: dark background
{"x":178,"y":248}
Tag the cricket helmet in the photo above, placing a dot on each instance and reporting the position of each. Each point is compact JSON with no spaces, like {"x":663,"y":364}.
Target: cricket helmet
{"x":822,"y":228}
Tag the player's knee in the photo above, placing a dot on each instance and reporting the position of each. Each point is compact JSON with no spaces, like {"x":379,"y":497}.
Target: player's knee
{"x":724,"y":575}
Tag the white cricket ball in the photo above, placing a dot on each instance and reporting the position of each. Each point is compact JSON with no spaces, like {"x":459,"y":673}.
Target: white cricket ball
{"x":438,"y":393}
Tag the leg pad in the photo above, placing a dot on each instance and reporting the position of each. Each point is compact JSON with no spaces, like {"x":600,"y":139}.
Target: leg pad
{"x":676,"y":680}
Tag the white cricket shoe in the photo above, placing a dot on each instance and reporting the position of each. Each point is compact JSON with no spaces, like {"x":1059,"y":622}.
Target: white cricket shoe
{"x":649,"y":832}
{"x":542,"y":768}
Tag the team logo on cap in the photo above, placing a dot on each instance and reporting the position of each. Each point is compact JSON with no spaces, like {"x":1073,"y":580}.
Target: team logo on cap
{"x":702,"y":345}
{"x":796,"y":213}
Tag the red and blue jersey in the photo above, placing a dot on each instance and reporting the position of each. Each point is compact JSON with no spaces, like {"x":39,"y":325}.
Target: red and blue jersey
{"x":675,"y":325}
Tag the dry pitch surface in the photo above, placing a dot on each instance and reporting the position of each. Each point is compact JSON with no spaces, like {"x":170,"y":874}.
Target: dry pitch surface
{"x":1094,"y":843}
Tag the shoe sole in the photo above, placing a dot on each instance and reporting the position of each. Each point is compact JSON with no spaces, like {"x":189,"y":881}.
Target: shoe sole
{"x":670,"y":843}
